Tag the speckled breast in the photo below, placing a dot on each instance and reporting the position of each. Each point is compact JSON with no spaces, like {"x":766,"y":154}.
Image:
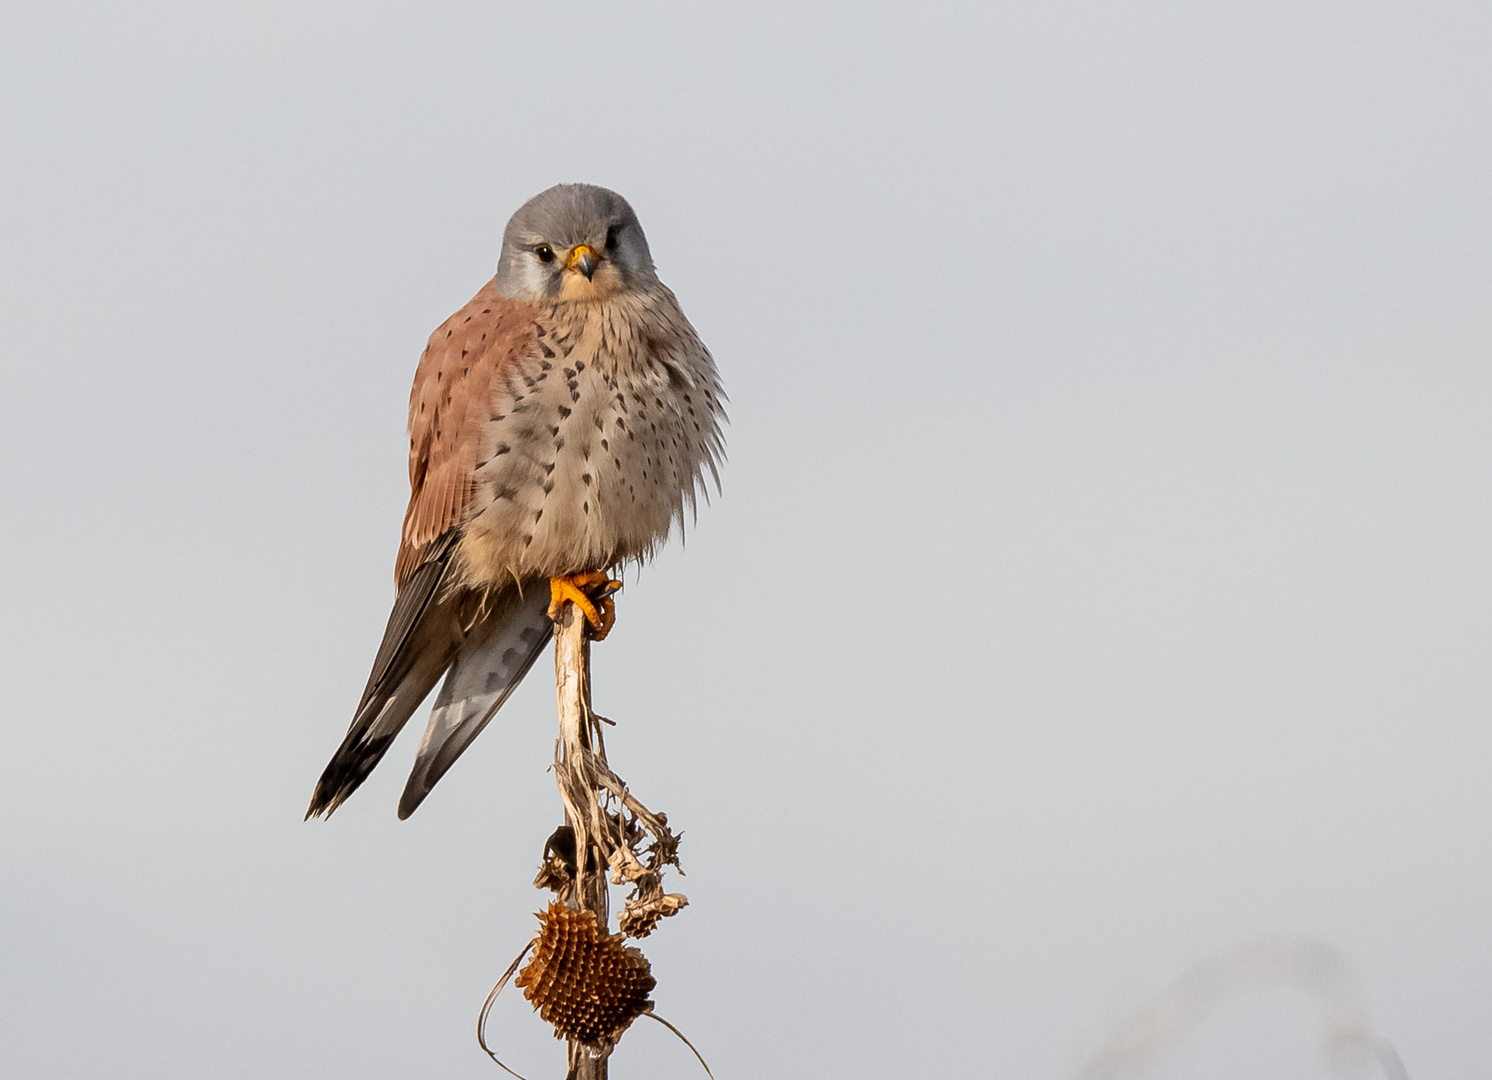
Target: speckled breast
{"x":597,"y":445}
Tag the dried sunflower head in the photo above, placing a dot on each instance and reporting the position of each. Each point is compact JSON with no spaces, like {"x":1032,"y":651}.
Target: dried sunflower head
{"x":584,"y":981}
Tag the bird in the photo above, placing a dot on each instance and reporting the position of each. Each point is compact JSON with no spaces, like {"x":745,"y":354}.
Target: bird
{"x":561,"y":424}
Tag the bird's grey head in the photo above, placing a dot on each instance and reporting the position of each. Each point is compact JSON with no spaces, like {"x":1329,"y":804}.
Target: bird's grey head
{"x":573,"y":242}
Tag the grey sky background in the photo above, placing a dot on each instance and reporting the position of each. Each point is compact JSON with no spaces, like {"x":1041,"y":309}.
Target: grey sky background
{"x":1102,"y":576}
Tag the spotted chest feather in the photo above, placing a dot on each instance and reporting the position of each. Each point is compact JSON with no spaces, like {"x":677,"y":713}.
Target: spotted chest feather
{"x":598,"y":441}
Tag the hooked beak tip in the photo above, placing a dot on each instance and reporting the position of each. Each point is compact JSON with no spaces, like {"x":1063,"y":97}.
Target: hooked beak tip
{"x":583,"y":260}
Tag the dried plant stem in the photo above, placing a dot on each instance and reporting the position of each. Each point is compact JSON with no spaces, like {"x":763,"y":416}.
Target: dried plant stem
{"x":578,"y":731}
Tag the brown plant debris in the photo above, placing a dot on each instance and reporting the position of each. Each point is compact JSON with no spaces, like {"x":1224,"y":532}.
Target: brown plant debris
{"x":584,"y":981}
{"x":648,"y":902}
{"x":637,"y":843}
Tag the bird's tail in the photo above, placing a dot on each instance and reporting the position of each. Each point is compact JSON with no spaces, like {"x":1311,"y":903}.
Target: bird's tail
{"x":491,"y":663}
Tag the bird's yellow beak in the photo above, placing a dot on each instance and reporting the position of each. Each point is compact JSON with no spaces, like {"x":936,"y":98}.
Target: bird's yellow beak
{"x":582,"y":260}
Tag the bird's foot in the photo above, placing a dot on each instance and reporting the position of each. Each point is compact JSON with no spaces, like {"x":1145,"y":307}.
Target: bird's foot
{"x":591,"y":593}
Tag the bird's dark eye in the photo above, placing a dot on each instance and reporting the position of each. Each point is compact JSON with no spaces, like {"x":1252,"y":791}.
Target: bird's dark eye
{"x":611,"y":237}
{"x":545,"y":253}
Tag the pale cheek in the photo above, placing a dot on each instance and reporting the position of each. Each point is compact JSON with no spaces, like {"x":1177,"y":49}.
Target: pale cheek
{"x":533,"y":281}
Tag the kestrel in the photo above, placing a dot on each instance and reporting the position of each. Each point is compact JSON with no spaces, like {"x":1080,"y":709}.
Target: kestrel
{"x":559,"y":425}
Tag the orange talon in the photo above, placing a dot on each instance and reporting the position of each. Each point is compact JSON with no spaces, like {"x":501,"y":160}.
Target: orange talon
{"x":608,"y":619}
{"x":591,"y":593}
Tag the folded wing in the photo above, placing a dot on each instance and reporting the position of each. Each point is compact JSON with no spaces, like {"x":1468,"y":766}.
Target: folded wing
{"x":436,"y":621}
{"x":424,"y":634}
